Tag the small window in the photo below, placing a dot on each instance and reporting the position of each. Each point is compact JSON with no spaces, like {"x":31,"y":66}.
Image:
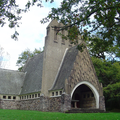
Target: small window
{"x":14,"y":97}
{"x":4,"y":97}
{"x":35,"y":95}
{"x":56,"y":93}
{"x":38,"y":94}
{"x":9,"y":97}
{"x":22,"y":97}
{"x":60,"y":92}
{"x":52,"y":93}
{"x":27,"y":96}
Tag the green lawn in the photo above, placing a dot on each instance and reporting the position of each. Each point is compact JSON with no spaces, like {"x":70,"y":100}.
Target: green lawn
{"x":37,"y":115}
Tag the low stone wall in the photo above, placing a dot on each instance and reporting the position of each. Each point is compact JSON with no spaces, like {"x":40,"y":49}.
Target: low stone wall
{"x":55,"y":104}
{"x":31,"y":104}
{"x":102,"y":103}
{"x":58,"y":104}
{"x":8,"y":104}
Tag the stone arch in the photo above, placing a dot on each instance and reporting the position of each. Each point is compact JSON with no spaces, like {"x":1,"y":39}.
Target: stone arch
{"x":92,"y":88}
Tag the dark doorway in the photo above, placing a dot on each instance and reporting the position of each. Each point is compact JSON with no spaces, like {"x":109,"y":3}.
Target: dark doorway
{"x":83,"y":97}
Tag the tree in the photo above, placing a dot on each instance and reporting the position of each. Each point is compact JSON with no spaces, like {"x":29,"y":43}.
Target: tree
{"x":4,"y":58}
{"x":10,"y":12}
{"x":109,"y":75}
{"x":102,"y":16}
{"x":112,"y":96}
{"x":24,"y":56}
{"x":100,"y":48}
{"x":107,"y":72}
{"x":98,"y":16}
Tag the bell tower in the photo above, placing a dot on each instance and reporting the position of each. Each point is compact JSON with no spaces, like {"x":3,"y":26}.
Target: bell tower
{"x":54,"y":50}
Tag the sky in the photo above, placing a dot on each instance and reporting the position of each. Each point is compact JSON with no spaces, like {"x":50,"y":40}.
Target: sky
{"x":31,"y":32}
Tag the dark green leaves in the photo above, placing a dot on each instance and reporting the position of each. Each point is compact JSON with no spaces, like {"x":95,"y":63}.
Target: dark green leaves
{"x":78,"y":13}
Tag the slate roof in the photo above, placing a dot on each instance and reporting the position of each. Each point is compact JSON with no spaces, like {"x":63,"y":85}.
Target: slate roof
{"x":11,"y":81}
{"x":33,"y":78}
{"x":66,"y":68}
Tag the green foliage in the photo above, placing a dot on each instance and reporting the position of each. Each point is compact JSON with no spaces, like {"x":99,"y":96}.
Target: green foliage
{"x":9,"y":11}
{"x":98,"y":16}
{"x":112,"y":90}
{"x":112,"y":95}
{"x":113,"y":103}
{"x":37,"y":115}
{"x":100,"y":48}
{"x":24,"y":56}
{"x":109,"y":75}
{"x":102,"y":16}
{"x":107,"y":72}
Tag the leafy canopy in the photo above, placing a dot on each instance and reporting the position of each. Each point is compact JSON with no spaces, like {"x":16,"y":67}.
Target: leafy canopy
{"x":10,"y":12}
{"x":100,"y":48}
{"x":107,"y":72}
{"x":102,"y":16}
{"x":98,"y":16}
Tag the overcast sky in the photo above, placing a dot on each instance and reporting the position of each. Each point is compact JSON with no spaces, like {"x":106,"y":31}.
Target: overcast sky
{"x":31,"y":32}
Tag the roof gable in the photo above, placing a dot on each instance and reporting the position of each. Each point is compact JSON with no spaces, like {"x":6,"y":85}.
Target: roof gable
{"x":66,"y":68}
{"x":33,"y":78}
{"x":11,"y":81}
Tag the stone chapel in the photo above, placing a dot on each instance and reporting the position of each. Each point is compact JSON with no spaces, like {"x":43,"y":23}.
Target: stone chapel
{"x":60,"y":78}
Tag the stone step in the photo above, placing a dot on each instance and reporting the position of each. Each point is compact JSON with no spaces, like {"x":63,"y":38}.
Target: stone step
{"x":84,"y":110}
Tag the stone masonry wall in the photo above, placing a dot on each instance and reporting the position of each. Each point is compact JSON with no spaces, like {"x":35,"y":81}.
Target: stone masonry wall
{"x":83,"y":71}
{"x":55,"y":104}
{"x":66,"y":102}
{"x":31,"y":104}
{"x":102,"y":103}
{"x":58,"y":104}
{"x":8,"y":104}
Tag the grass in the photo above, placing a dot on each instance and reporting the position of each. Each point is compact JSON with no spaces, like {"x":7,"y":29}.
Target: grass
{"x":37,"y":115}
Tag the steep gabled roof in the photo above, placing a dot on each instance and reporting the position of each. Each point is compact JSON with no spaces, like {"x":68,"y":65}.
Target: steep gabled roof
{"x":33,"y":78}
{"x":66,"y":68}
{"x":11,"y":81}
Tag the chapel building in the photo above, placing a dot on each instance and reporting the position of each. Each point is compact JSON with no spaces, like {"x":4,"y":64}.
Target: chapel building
{"x":60,"y":78}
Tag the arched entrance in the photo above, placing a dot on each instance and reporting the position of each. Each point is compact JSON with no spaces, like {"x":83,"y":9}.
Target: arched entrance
{"x":84,"y":95}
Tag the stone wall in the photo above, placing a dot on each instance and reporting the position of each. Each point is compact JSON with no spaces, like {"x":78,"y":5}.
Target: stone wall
{"x":66,"y":102}
{"x":54,"y":104}
{"x":58,"y":104}
{"x":102,"y":103}
{"x":83,"y":71}
{"x":31,"y":104}
{"x":8,"y":104}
